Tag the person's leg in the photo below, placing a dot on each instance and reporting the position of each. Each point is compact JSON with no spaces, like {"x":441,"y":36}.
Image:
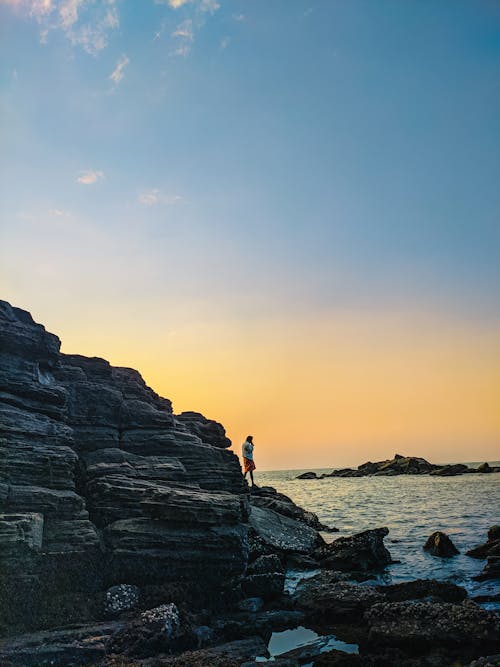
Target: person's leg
{"x":251,"y":477}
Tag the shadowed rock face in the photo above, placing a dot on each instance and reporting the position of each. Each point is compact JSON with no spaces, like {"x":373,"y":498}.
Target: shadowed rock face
{"x":100,"y":483}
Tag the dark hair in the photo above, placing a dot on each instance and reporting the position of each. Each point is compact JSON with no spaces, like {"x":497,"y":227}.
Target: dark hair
{"x":249,"y":438}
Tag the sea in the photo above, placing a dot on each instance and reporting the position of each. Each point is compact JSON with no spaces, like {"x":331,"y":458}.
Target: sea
{"x":412,"y":507}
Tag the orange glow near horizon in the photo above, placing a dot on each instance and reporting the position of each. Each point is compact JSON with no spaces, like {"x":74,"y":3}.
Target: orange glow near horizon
{"x":332,"y":394}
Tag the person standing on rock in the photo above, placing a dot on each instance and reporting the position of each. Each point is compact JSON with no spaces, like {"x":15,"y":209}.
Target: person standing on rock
{"x":248,"y":462}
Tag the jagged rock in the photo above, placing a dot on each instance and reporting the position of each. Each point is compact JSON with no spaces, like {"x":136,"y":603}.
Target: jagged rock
{"x":209,"y":431}
{"x":423,"y":588}
{"x":361,"y":552}
{"x":283,"y":534}
{"x":420,"y":626}
{"x":307,"y":475}
{"x":122,"y":597}
{"x":439,"y":544}
{"x":325,"y":597}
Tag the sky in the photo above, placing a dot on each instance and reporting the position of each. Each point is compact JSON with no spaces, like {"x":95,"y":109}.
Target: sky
{"x":284,"y":213}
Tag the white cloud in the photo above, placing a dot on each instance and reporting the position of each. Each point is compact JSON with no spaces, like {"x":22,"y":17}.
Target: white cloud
{"x":239,"y":17}
{"x":58,"y":213}
{"x":117,"y":74}
{"x":201,"y":5}
{"x":85,"y":23}
{"x":89,"y":177}
{"x":155,"y":196}
{"x":224,"y":43}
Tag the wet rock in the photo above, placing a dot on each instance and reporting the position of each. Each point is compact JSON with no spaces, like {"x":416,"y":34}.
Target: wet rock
{"x":324,"y":597}
{"x":484,"y":468}
{"x":307,"y":475}
{"x":487,"y":661}
{"x":283,"y":534}
{"x":361,"y":552}
{"x":490,"y":548}
{"x":423,"y":588}
{"x":417,"y":627}
{"x":122,"y":597}
{"x":491,"y":570}
{"x":439,"y":544}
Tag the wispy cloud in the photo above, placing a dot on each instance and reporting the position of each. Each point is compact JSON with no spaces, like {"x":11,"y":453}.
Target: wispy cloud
{"x":224,"y":43}
{"x":85,"y":24}
{"x":184,"y":36}
{"x":155,"y":196}
{"x":89,"y":177}
{"x":117,"y":74}
{"x":239,"y":17}
{"x":195,"y":14}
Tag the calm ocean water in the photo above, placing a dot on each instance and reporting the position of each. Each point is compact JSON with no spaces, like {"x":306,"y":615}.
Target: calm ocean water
{"x":412,"y":507}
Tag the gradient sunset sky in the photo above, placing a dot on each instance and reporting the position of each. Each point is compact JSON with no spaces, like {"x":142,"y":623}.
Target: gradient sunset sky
{"x":285,"y":214}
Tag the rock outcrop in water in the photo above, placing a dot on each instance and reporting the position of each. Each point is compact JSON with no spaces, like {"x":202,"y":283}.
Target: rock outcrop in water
{"x":402,"y":465}
{"x":490,"y":551}
{"x":439,"y":544}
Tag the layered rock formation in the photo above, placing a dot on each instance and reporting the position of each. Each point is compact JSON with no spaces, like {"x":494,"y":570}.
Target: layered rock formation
{"x":100,"y":483}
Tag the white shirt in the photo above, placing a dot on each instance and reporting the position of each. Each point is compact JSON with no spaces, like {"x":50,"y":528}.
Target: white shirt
{"x":247,"y":449}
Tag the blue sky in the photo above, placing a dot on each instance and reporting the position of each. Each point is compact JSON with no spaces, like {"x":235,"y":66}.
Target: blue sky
{"x":241,"y":161}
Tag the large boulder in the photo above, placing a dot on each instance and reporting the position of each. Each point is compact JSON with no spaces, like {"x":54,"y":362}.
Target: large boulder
{"x":423,"y":588}
{"x":419,"y":627}
{"x":439,"y":544}
{"x":362,"y":552}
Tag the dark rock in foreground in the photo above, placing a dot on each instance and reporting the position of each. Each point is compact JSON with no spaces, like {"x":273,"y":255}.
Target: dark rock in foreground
{"x":423,"y":588}
{"x":362,"y":552}
{"x":325,"y":598}
{"x":439,"y":544}
{"x":418,"y":627}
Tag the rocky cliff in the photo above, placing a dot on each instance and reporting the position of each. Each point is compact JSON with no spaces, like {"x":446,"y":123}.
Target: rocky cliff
{"x":101,"y":483}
